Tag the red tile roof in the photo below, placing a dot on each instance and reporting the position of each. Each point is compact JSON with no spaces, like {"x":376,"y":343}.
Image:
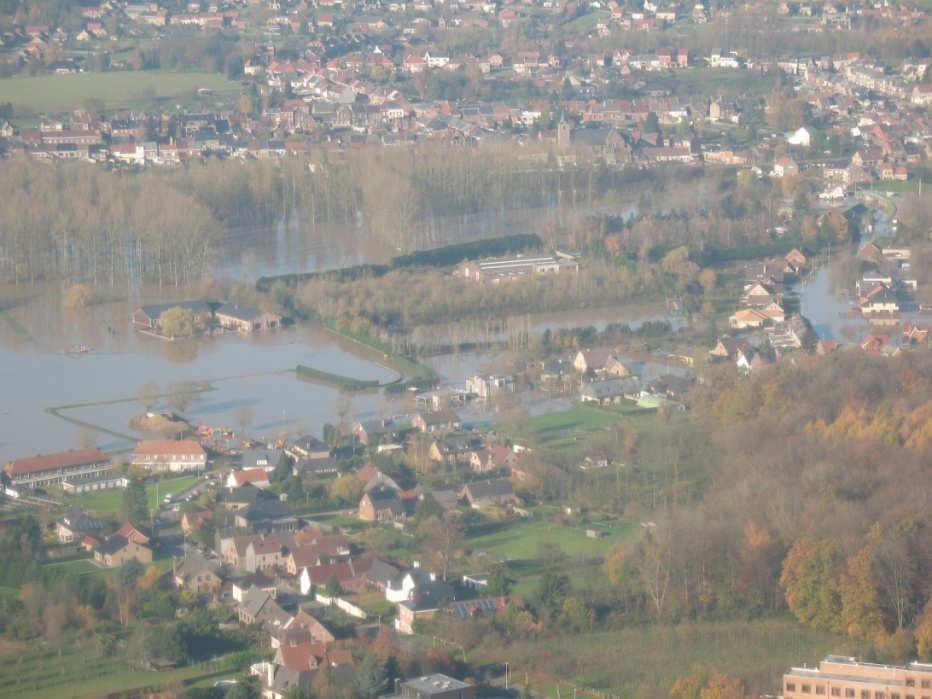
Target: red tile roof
{"x":250,"y":475}
{"x":169,"y":447}
{"x":50,"y":462}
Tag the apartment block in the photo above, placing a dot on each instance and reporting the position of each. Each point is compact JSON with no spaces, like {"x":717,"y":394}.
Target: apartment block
{"x":847,"y":678}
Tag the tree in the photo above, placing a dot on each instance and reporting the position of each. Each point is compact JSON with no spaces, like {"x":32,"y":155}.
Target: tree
{"x":444,"y":537}
{"x":551,"y":592}
{"x":924,"y":633}
{"x":332,"y":587}
{"x":370,"y":677}
{"x":810,"y":579}
{"x":498,"y":583}
{"x":77,"y":296}
{"x":178,"y":322}
{"x":346,"y":489}
{"x":149,"y":394}
{"x":135,"y":507}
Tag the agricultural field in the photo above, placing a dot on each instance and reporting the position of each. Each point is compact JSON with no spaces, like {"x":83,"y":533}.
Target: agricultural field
{"x":119,"y":89}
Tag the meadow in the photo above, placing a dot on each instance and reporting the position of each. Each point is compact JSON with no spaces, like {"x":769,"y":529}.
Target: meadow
{"x":118,"y":89}
{"x":647,"y":661}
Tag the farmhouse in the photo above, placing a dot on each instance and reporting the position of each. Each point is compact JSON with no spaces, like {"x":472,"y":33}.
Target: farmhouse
{"x":150,"y":317}
{"x":245,"y":319}
{"x":497,"y":269}
{"x":169,"y":455}
{"x":49,"y":469}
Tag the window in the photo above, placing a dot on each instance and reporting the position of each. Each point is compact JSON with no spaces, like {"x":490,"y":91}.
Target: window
{"x":865,"y":694}
{"x":790,"y":686}
{"x":849,"y":693}
{"x":910,"y":681}
{"x":807,"y":689}
{"x":894,"y":695}
{"x":878,"y":695}
{"x":820,"y":689}
{"x":836,"y":691}
{"x":926,"y":684}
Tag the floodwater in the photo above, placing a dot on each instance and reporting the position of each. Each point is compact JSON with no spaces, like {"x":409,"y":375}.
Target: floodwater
{"x":252,"y":386}
{"x":825,"y":298}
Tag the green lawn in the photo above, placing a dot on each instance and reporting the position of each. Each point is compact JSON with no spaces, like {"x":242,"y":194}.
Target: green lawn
{"x":61,"y":92}
{"x":522,"y":539}
{"x":563,"y":430}
{"x":42,"y":673}
{"x":898,"y":187}
{"x":109,"y":502}
{"x":646,"y":661}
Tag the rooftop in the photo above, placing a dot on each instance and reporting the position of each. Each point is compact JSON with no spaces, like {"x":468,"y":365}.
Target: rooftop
{"x":48,"y":462}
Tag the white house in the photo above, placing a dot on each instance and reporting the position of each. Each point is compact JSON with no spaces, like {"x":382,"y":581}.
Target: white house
{"x":800,"y":137}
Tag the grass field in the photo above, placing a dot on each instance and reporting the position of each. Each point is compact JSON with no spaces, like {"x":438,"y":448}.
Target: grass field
{"x":522,"y":539}
{"x":563,"y":430}
{"x":109,"y":502}
{"x":60,"y":92}
{"x":645,"y":662}
{"x":39,"y":672}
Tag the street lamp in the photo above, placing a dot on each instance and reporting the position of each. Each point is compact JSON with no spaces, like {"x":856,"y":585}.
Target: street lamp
{"x":506,"y":675}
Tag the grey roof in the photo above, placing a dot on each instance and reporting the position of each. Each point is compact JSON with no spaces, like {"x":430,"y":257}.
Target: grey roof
{"x":254,"y":601}
{"x":500,"y":487}
{"x":435,"y":684}
{"x":259,"y":457}
{"x":112,"y":544}
{"x":195,"y":564}
{"x":235,"y":310}
{"x":611,"y":388}
{"x":80,"y":522}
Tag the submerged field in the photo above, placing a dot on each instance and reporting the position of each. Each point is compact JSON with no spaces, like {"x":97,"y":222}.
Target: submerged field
{"x":58,"y":92}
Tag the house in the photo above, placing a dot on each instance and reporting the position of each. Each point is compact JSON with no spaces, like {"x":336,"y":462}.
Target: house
{"x":610,"y":391}
{"x":434,"y":686}
{"x":758,"y":294}
{"x":197,"y":574}
{"x":49,"y":469}
{"x":105,"y":481}
{"x":731,"y":349}
{"x":492,"y":493}
{"x":745,"y":318}
{"x":487,"y":386}
{"x":258,"y":607}
{"x":117,"y":550}
{"x":176,"y":456}
{"x":302,"y":628}
{"x":496,"y":270}
{"x":265,"y":554}
{"x":192,"y":521}
{"x":150,"y":317}
{"x":307,"y":447}
{"x":491,"y":458}
{"x":128,"y":530}
{"x":257,"y":477}
{"x":451,"y":448}
{"x":469,"y":609}
{"x":437,"y":421}
{"x":785,"y":166}
{"x":260,"y":457}
{"x":245,"y":319}
{"x":382,"y":504}
{"x":599,"y":361}
{"x":879,"y":300}
{"x":371,"y":432}
{"x":791,"y":334}
{"x":75,"y":525}
{"x":266,"y":516}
